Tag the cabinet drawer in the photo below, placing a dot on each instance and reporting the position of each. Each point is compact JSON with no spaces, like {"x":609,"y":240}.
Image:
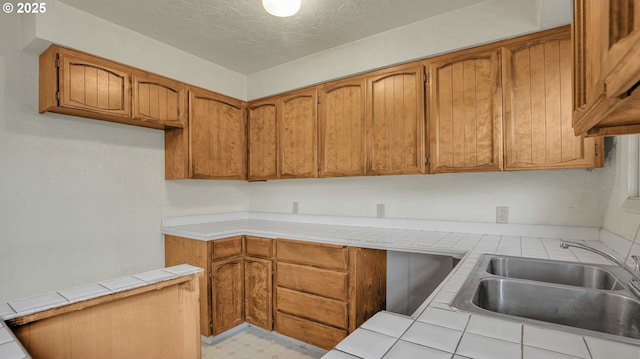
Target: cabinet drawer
{"x":227,"y":247}
{"x":314,"y":254}
{"x":317,"y":334}
{"x":321,"y":309}
{"x":258,"y":247}
{"x":312,"y":280}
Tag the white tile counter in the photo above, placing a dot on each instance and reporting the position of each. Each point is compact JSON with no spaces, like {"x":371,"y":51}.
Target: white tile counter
{"x":435,"y":330}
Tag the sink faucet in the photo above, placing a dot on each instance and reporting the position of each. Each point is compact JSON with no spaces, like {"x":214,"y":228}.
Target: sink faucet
{"x":634,"y":282}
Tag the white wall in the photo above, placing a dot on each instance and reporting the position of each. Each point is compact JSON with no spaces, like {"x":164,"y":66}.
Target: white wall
{"x":558,"y":197}
{"x":619,"y":215}
{"x":81,"y":200}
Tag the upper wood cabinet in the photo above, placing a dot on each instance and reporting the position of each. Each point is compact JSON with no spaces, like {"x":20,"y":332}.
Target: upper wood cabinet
{"x":79,"y":84}
{"x":606,"y":48}
{"x":159,"y":100}
{"x":394,"y":121}
{"x":537,"y":106}
{"x":341,"y":149}
{"x":263,"y":140}
{"x":465,"y":111}
{"x":217,"y":136}
{"x":297,"y":132}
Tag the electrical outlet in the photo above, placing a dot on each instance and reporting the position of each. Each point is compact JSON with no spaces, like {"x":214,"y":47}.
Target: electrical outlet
{"x":502,"y":214}
{"x":295,"y":208}
{"x":380,"y":210}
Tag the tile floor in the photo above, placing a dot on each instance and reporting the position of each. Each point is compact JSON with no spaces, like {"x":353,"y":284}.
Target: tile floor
{"x":254,"y":343}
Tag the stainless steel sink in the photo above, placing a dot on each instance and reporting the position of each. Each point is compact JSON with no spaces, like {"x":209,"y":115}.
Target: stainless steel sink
{"x":576,"y":307}
{"x":589,"y":300}
{"x":568,"y":273}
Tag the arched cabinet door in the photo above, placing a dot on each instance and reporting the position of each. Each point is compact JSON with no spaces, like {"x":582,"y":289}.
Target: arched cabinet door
{"x":91,"y":84}
{"x":297,"y":126}
{"x":395,"y":121}
{"x":341,"y":150}
{"x":227,"y":294}
{"x":465,"y":112}
{"x":217,"y":136}
{"x":159,"y":100}
{"x":538,"y":107}
{"x":263,"y":140}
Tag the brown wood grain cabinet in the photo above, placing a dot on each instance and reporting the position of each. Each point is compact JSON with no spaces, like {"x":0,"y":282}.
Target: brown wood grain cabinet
{"x":394,"y":121}
{"x":238,"y":282}
{"x":465,"y":111}
{"x":537,"y":106}
{"x":321,"y":292}
{"x":606,"y":48}
{"x":227,"y":294}
{"x":341,"y":145}
{"x":325,"y":291}
{"x":159,"y":100}
{"x":297,"y":133}
{"x":79,"y":84}
{"x":180,"y":250}
{"x":263,"y":140}
{"x":217,"y":136}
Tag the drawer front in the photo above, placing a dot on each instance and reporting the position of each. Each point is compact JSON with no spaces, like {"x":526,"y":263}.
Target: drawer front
{"x":258,"y":247}
{"x":328,"y":311}
{"x":313,"y":280}
{"x":314,"y":254}
{"x":308,"y":331}
{"x":227,"y":247}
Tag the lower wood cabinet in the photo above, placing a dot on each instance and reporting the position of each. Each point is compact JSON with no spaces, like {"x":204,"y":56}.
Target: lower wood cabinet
{"x":227,"y":294}
{"x":258,"y":293}
{"x":325,"y":291}
{"x":321,"y":292}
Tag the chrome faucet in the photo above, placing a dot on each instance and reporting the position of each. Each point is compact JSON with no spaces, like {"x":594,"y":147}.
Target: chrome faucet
{"x":634,"y":282}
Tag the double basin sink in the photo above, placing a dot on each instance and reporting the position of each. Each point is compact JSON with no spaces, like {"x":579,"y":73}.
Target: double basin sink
{"x":584,"y":298}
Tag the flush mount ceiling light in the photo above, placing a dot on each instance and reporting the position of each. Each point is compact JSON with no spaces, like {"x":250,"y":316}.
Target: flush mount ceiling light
{"x":281,"y":8}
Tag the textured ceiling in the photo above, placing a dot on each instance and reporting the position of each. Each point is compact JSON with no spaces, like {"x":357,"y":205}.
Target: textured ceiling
{"x":240,"y":35}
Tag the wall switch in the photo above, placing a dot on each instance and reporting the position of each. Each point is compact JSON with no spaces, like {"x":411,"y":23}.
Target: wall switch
{"x":502,"y":214}
{"x":380,"y":210}
{"x":295,"y":208}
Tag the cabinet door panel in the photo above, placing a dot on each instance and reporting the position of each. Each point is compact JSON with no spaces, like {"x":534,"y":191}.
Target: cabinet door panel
{"x":297,"y":134}
{"x":92,"y":84}
{"x":263,"y":137}
{"x":538,"y":107}
{"x":227,"y":294}
{"x":217,"y":132}
{"x":159,"y":100}
{"x":395,"y":121}
{"x":341,"y":122}
{"x":465,"y":113}
{"x":258,"y":292}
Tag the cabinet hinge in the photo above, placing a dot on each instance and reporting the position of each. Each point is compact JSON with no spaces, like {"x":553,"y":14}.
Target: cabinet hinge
{"x":57,"y":62}
{"x":58,"y":96}
{"x":318,"y":100}
{"x":596,"y":149}
{"x":425,"y":78}
{"x":210,"y":275}
{"x":426,"y":160}
{"x":211,"y":324}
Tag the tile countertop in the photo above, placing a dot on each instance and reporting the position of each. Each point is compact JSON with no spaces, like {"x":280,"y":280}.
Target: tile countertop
{"x":10,"y":347}
{"x":435,"y":330}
